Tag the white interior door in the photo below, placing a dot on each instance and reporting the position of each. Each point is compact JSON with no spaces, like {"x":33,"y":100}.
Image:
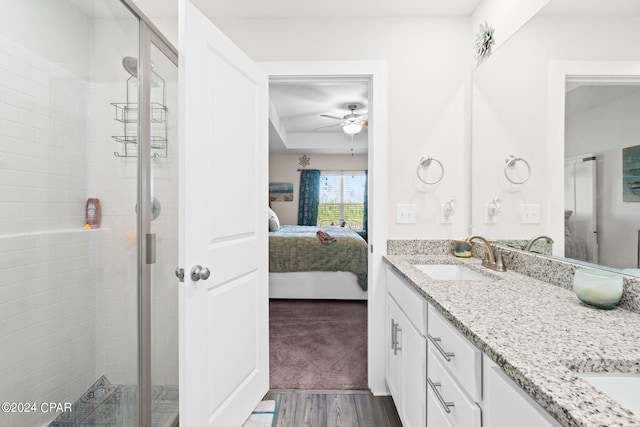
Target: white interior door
{"x":224,"y":367}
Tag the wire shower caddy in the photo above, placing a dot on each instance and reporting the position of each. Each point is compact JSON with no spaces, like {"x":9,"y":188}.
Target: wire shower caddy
{"x":127,"y":114}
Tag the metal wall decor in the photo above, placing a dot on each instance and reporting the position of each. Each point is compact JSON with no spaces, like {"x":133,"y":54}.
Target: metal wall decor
{"x":483,"y":42}
{"x":304,"y":161}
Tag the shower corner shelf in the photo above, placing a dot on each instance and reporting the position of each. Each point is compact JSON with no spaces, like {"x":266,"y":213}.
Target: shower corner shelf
{"x":127,"y":114}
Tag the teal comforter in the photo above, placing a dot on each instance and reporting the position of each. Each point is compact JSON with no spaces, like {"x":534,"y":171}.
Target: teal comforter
{"x":297,"y":248}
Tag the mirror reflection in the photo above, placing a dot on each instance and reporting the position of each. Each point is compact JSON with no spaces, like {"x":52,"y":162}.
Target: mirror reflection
{"x":602,"y":159}
{"x":577,"y":136}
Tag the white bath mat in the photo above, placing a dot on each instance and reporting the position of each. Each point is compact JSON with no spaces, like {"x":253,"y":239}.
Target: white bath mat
{"x":263,"y":416}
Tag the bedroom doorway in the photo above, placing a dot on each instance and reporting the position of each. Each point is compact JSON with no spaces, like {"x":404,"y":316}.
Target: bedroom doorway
{"x":307,"y":103}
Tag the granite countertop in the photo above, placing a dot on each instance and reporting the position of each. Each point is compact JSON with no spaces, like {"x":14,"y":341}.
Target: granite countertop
{"x":540,"y":334}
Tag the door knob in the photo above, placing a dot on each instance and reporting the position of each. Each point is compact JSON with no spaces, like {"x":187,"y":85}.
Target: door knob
{"x":198,"y":272}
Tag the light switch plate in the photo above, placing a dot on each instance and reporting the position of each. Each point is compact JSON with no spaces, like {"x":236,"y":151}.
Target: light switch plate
{"x":405,"y":214}
{"x":530,"y":214}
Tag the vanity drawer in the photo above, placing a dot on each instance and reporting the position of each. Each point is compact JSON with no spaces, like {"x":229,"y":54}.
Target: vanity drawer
{"x":413,"y":304}
{"x":446,"y":400}
{"x":436,"y":416}
{"x":455,"y":352}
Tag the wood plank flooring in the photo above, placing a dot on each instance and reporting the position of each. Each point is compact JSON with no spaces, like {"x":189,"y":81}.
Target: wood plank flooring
{"x":333,"y":408}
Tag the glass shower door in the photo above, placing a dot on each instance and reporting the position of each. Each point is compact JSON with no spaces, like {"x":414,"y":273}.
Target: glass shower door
{"x":164,"y":225}
{"x":68,"y":227}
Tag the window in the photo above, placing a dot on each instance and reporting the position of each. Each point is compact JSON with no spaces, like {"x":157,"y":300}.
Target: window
{"x":342,"y":199}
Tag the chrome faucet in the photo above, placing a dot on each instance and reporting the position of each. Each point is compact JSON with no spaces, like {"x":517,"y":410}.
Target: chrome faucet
{"x":492,"y":258}
{"x":530,"y":243}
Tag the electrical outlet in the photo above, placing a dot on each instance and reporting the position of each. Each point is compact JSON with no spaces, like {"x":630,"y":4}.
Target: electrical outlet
{"x":444,"y":219}
{"x":490,"y":214}
{"x":405,"y":214}
{"x":530,"y":214}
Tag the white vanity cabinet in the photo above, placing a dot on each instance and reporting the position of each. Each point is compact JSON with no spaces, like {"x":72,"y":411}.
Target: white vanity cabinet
{"x":438,"y":378}
{"x":406,"y":358}
{"x":505,"y":404}
{"x":472,"y":390}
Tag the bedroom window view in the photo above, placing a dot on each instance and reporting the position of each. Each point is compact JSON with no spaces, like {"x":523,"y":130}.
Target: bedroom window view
{"x":342,"y":199}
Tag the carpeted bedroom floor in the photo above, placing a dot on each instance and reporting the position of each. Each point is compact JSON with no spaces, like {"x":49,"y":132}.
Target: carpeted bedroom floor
{"x":318,"y":344}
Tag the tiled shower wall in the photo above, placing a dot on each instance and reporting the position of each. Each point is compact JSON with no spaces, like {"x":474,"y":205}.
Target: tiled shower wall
{"x":68,"y":297}
{"x":48,"y":270}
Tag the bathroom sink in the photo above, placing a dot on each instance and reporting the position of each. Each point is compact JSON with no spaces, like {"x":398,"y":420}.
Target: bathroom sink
{"x":449,"y":272}
{"x":623,"y":388}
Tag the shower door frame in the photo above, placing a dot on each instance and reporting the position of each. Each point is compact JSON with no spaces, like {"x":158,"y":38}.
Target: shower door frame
{"x":148,"y":35}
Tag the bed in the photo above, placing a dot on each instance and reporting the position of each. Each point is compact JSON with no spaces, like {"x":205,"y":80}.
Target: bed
{"x":301,"y":266}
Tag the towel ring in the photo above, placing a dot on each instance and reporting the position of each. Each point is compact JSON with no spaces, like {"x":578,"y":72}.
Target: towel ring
{"x":510,"y":162}
{"x":426,"y":162}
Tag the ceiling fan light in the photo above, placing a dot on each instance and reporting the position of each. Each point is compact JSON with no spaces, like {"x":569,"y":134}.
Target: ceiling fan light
{"x":352,"y":128}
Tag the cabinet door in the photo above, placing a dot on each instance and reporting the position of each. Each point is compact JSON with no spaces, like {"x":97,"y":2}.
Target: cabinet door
{"x":506,"y":404}
{"x":393,"y":355}
{"x":414,"y":357}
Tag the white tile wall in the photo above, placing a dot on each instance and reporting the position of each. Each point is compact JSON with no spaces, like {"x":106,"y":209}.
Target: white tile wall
{"x":68,"y":297}
{"x":47,"y":262}
{"x":47,"y":317}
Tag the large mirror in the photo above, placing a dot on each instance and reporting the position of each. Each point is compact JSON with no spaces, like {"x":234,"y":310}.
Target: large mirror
{"x":555,"y":121}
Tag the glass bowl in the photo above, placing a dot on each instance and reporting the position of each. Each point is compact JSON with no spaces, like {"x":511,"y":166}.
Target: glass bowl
{"x":598,"y":288}
{"x":632,"y":271}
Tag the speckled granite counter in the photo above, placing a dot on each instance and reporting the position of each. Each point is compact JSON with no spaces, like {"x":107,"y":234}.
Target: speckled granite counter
{"x":540,"y":334}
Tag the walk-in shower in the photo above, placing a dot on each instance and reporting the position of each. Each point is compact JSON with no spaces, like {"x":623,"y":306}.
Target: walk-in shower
{"x":88,"y":315}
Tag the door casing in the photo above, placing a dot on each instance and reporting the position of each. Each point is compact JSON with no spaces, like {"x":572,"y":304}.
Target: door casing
{"x":375,"y":73}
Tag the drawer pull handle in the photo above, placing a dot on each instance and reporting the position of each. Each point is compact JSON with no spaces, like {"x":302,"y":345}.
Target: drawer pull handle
{"x":394,"y":337}
{"x":393,"y":334}
{"x":445,"y":405}
{"x":436,"y":343}
{"x":397,"y":347}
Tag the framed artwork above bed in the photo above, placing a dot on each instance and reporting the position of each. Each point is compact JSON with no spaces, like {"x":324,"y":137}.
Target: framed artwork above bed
{"x":281,"y":192}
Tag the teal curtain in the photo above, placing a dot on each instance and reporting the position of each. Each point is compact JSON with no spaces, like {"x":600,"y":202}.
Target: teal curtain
{"x":365,"y":216}
{"x":309,"y":197}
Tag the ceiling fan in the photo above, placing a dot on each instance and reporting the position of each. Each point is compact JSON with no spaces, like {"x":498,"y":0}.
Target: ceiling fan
{"x":351,"y":123}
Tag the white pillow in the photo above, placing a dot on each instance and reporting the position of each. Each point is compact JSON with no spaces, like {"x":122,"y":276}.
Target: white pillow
{"x":274,"y":222}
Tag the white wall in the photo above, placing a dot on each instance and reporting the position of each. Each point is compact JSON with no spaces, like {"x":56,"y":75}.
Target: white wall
{"x":429,"y":64}
{"x":429,"y":60}
{"x":284,"y":168}
{"x":605,"y":131}
{"x":510,"y":112}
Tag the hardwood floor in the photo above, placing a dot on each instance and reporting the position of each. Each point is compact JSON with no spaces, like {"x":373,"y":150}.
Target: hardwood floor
{"x":333,"y":408}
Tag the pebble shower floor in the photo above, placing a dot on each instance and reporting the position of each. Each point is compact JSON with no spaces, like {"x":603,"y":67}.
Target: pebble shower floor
{"x":104,"y":404}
